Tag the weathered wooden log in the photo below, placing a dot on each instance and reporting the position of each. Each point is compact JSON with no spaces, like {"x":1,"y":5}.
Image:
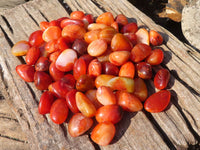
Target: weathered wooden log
{"x":177,"y":127}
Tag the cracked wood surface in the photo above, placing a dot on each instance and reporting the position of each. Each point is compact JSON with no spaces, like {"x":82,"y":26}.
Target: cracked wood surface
{"x":11,"y":134}
{"x":177,"y":127}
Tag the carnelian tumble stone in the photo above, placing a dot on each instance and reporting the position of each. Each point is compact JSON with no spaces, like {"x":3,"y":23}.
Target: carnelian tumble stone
{"x":157,"y":102}
{"x":93,"y":67}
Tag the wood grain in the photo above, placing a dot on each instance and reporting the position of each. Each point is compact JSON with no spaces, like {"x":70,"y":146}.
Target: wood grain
{"x":11,"y":134}
{"x":177,"y":127}
{"x":4,"y":5}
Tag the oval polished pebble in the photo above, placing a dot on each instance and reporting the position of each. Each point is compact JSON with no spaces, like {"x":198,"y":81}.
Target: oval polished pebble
{"x":156,"y":57}
{"x":71,"y":101}
{"x":94,"y":68}
{"x":130,"y":28}
{"x":51,"y":33}
{"x":66,"y":22}
{"x":103,"y":133}
{"x":60,"y":88}
{"x":65,"y":60}
{"x":97,"y":47}
{"x":32,"y":55}
{"x":77,"y":15}
{"x":144,"y":70}
{"x":42,"y":64}
{"x":51,"y":46}
{"x":80,"y":46}
{"x":161,"y":79}
{"x":155,"y":38}
{"x":127,"y":70}
{"x":105,"y":18}
{"x":54,"y":72}
{"x":84,"y":105}
{"x":121,"y":20}
{"x":105,"y":95}
{"x":46,"y":101}
{"x":96,"y":26}
{"x":142,"y":36}
{"x":73,"y":32}
{"x":26,"y":72}
{"x":91,"y":35}
{"x":157,"y":102}
{"x":42,"y":80}
{"x":35,"y":39}
{"x":109,"y":113}
{"x":20,"y":48}
{"x":129,"y":101}
{"x":120,"y":43}
{"x":109,"y":68}
{"x":140,"y":52}
{"x":79,"y":68}
{"x":59,"y":111}
{"x":118,"y":58}
{"x":79,"y":124}
{"x":140,"y":89}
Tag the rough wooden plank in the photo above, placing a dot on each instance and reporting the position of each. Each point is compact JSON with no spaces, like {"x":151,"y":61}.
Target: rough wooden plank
{"x":140,"y":127}
{"x":4,"y":5}
{"x":8,"y":144}
{"x":11,"y":134}
{"x":135,"y":131}
{"x":51,"y":9}
{"x":173,"y":122}
{"x":9,"y":124}
{"x":40,"y":13}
